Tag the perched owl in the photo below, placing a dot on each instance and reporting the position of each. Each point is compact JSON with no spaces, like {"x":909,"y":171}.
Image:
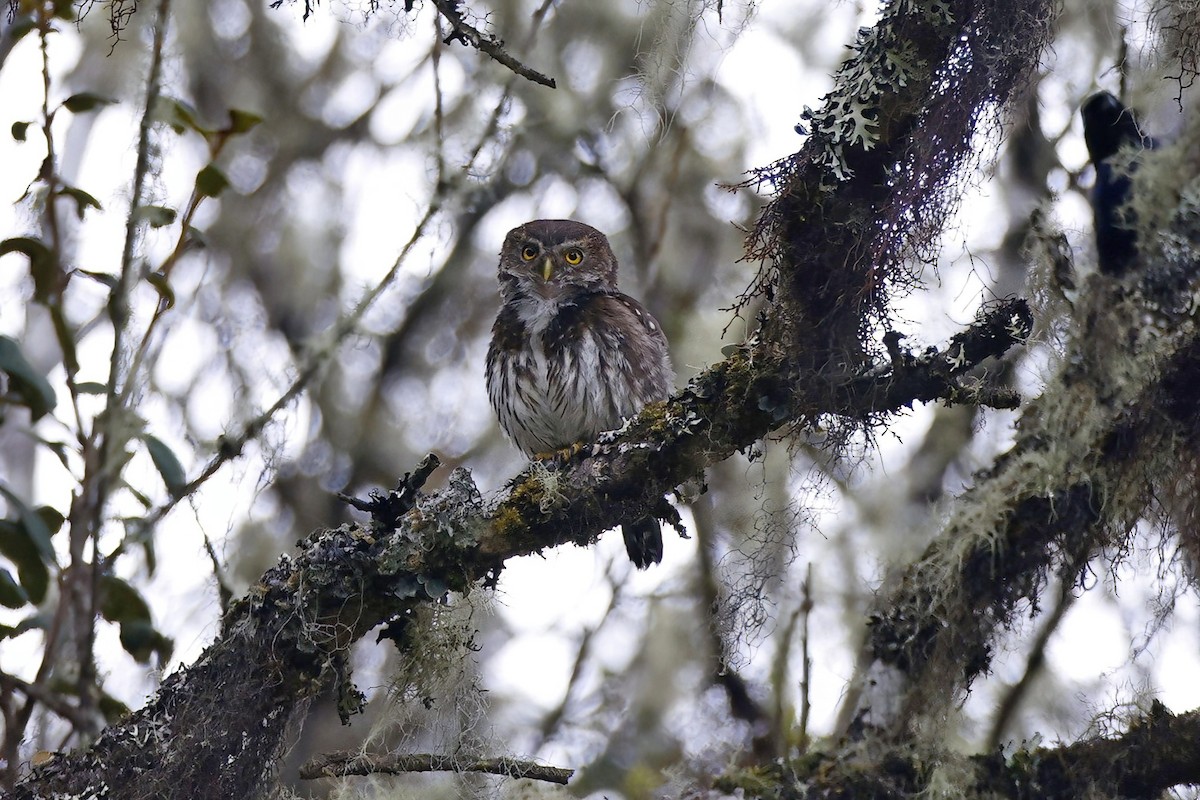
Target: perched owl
{"x":570,"y":355}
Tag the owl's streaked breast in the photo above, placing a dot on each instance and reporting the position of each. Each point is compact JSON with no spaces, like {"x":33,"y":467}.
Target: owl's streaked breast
{"x":580,"y":373}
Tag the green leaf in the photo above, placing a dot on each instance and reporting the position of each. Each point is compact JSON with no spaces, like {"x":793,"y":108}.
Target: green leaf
{"x":51,"y":517}
{"x":194,"y":239}
{"x":33,"y":525}
{"x":140,"y":639}
{"x":11,"y":593}
{"x":91,"y":387}
{"x":242,"y":121}
{"x":167,"y":464}
{"x":176,"y":113}
{"x":18,"y":547}
{"x":210,"y":181}
{"x":34,"y":390}
{"x":157,"y":216}
{"x":120,"y":602}
{"x":66,"y":339}
{"x":141,"y":497}
{"x":19,"y":130}
{"x":34,"y":248}
{"x":138,"y":532}
{"x":58,"y":448}
{"x":83,"y":200}
{"x":41,"y":264}
{"x":86,"y":101}
{"x":32,"y":622}
{"x":163,"y":287}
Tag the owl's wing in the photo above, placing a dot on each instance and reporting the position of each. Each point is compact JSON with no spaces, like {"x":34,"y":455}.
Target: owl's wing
{"x":641,"y":339}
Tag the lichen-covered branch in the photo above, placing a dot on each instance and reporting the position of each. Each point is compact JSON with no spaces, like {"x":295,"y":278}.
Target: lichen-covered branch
{"x":869,"y":193}
{"x":1156,"y":753}
{"x":332,"y":765}
{"x":1092,"y":456}
{"x":281,"y":642}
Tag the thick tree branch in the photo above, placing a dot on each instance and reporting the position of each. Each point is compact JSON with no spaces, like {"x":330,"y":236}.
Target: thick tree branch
{"x":877,"y":178}
{"x":1157,"y":753}
{"x":332,"y":765}
{"x":280,"y":641}
{"x":1088,"y":463}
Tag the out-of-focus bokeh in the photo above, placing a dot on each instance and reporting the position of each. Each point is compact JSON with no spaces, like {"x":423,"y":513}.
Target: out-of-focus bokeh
{"x":389,"y":162}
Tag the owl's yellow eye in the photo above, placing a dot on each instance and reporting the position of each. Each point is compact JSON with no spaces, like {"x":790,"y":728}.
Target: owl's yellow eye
{"x":529,"y":252}
{"x":574,"y":256}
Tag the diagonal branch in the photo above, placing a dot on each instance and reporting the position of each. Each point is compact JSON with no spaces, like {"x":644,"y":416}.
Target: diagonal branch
{"x":468,"y":34}
{"x":1092,"y":453}
{"x":294,"y":626}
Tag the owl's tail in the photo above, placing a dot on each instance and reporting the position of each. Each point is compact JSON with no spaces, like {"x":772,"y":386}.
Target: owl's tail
{"x":643,"y":541}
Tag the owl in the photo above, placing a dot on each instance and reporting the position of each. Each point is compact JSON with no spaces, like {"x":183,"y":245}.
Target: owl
{"x":570,"y":355}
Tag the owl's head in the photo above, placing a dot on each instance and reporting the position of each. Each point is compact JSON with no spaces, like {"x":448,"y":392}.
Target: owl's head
{"x":555,"y":259}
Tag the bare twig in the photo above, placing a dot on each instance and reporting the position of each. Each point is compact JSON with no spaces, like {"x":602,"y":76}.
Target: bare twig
{"x":52,"y":700}
{"x":468,"y":34}
{"x":334,"y":765}
{"x":805,"y":611}
{"x":552,"y":720}
{"x":742,"y":704}
{"x":231,"y":446}
{"x":1033,"y":667}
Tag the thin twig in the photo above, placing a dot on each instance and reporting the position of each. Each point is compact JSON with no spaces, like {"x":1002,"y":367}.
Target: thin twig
{"x":106,"y":439}
{"x":1034,"y":662}
{"x":741,"y":704}
{"x":335,"y":765}
{"x":806,"y":607}
{"x":231,"y":446}
{"x":487,"y":44}
{"x":55,"y":701}
{"x":552,"y":720}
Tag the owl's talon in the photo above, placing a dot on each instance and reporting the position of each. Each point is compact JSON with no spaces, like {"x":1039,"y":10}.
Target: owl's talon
{"x":561,"y":456}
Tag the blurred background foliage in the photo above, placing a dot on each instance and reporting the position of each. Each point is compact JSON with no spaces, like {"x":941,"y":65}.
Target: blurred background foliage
{"x":375,"y":160}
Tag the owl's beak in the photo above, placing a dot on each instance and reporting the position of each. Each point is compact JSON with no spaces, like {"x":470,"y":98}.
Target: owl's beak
{"x":547,"y":268}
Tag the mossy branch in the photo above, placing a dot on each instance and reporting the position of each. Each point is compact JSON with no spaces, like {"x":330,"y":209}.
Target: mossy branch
{"x":281,"y":642}
{"x":331,"y":765}
{"x":1156,"y":753}
{"x":1094,"y":454}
